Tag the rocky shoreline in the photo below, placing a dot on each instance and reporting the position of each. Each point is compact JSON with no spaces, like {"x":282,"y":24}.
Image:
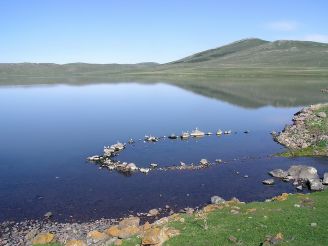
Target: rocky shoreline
{"x":153,"y":228}
{"x":309,"y":129}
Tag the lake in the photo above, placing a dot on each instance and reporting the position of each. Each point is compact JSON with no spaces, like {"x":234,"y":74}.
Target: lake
{"x":48,"y":131}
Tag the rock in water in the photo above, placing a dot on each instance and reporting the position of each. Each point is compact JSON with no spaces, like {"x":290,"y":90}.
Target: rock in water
{"x":268,"y":181}
{"x":278,"y":173}
{"x":204,"y":162}
{"x":303,"y":172}
{"x":217,"y":200}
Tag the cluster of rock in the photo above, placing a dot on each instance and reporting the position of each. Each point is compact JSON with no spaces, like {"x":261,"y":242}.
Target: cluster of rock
{"x":302,"y":176}
{"x":297,"y":135}
{"x":102,"y":232}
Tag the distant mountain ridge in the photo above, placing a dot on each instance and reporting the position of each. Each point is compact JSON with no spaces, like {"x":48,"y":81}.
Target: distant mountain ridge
{"x":244,"y":54}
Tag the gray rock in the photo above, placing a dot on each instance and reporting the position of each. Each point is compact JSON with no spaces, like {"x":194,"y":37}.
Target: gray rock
{"x":315,"y":185}
{"x":322,"y":114}
{"x":217,"y":200}
{"x":268,"y":181}
{"x":204,"y":162}
{"x":153,"y":212}
{"x":325,"y":179}
{"x":300,"y":188}
{"x":48,"y":215}
{"x":131,"y":167}
{"x":303,"y":172}
{"x":278,"y":173}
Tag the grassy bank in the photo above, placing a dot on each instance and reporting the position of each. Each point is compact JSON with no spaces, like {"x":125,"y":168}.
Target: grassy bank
{"x":290,"y":218}
{"x":317,"y":126}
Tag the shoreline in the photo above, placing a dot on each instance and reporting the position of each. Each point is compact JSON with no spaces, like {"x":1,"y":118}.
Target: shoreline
{"x":308,"y":134}
{"x":159,"y":221}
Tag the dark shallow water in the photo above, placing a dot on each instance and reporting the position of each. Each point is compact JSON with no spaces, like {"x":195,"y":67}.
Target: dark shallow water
{"x":47,"y":132}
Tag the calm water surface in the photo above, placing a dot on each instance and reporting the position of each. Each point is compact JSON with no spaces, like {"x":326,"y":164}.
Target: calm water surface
{"x":47,"y":132}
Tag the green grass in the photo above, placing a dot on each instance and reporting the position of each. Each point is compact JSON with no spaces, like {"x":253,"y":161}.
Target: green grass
{"x":251,"y":228}
{"x":319,"y":149}
{"x":254,"y":223}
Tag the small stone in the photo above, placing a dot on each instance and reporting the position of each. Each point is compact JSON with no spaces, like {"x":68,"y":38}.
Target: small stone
{"x":218,"y":161}
{"x":325,"y":179}
{"x":297,"y":205}
{"x":146,"y":226}
{"x":233,"y":239}
{"x":217,"y":200}
{"x":204,"y":162}
{"x":322,"y":114}
{"x":153,"y":212}
{"x":47,"y":215}
{"x":233,"y":211}
{"x":118,"y":242}
{"x":75,"y":243}
{"x":113,"y":231}
{"x":154,"y":236}
{"x":300,"y":187}
{"x":268,"y":181}
{"x":131,"y":221}
{"x":245,"y":176}
{"x":128,"y":231}
{"x":313,"y":224}
{"x":43,"y":238}
{"x":97,"y":236}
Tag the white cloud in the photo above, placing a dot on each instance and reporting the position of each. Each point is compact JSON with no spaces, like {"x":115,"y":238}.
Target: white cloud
{"x":317,"y":38}
{"x":286,"y":26}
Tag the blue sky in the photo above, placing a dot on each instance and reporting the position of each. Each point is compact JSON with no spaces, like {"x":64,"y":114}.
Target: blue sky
{"x":126,"y":31}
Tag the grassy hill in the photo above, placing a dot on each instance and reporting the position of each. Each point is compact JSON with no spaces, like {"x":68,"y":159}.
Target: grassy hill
{"x":249,"y":73}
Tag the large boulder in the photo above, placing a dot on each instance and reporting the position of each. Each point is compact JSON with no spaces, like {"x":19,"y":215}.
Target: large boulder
{"x":301,"y":172}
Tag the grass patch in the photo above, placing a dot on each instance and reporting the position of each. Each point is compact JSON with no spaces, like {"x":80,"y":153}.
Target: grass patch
{"x":251,"y":228}
{"x":255,"y":221}
{"x":319,"y":149}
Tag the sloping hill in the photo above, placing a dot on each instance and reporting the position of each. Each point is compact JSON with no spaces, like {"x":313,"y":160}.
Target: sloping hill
{"x":256,"y":52}
{"x":226,"y":50}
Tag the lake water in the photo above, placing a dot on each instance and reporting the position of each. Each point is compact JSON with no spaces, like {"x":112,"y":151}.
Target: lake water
{"x":47,"y":132}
